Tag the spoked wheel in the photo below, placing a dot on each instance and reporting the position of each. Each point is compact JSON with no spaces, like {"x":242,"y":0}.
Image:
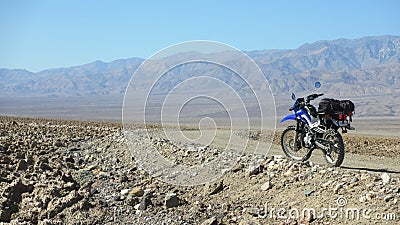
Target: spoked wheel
{"x":335,"y":154}
{"x":289,"y":145}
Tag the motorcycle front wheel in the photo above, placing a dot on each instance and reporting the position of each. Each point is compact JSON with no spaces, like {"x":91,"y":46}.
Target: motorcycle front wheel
{"x":292,"y":148}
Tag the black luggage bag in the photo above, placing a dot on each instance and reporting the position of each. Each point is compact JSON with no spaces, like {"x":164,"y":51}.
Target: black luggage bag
{"x":329,"y":106}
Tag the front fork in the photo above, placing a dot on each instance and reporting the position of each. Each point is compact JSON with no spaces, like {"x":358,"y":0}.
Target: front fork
{"x":296,"y":136}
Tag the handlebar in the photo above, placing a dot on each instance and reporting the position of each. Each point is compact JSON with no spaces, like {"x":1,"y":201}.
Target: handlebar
{"x":302,"y":102}
{"x":317,"y":95}
{"x":313,"y":96}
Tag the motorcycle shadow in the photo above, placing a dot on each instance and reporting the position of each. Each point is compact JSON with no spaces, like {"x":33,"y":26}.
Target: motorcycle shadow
{"x":371,"y":169}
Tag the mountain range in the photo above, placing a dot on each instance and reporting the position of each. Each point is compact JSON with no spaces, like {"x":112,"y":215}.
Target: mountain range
{"x":368,"y":66}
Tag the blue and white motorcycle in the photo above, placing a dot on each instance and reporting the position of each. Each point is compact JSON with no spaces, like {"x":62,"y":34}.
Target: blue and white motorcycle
{"x":316,"y":130}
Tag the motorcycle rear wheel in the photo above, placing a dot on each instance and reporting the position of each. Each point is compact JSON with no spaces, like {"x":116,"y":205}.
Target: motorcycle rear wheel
{"x":335,"y":155}
{"x":288,"y":145}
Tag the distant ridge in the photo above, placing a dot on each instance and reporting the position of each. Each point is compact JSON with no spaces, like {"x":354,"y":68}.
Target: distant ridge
{"x":369,"y":65}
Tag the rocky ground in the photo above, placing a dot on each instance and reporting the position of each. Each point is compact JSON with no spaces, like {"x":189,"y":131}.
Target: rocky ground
{"x":71,"y":172}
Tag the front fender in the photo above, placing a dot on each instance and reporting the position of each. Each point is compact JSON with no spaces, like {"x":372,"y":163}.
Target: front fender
{"x":288,"y":117}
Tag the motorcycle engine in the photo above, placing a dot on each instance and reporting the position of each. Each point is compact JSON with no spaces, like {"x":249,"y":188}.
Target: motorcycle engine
{"x":307,"y":140}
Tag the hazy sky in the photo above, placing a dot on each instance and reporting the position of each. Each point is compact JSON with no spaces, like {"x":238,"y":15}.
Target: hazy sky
{"x":37,"y":35}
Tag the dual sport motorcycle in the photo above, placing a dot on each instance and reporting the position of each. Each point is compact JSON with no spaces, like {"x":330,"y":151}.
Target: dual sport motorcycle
{"x":317,"y":129}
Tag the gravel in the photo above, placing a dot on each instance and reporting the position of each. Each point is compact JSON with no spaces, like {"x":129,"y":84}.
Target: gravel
{"x":76,"y":172}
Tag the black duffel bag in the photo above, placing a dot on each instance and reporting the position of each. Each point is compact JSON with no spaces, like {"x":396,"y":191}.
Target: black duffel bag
{"x":325,"y":106}
{"x":336,"y":107}
{"x":329,"y":106}
{"x":347,"y":106}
